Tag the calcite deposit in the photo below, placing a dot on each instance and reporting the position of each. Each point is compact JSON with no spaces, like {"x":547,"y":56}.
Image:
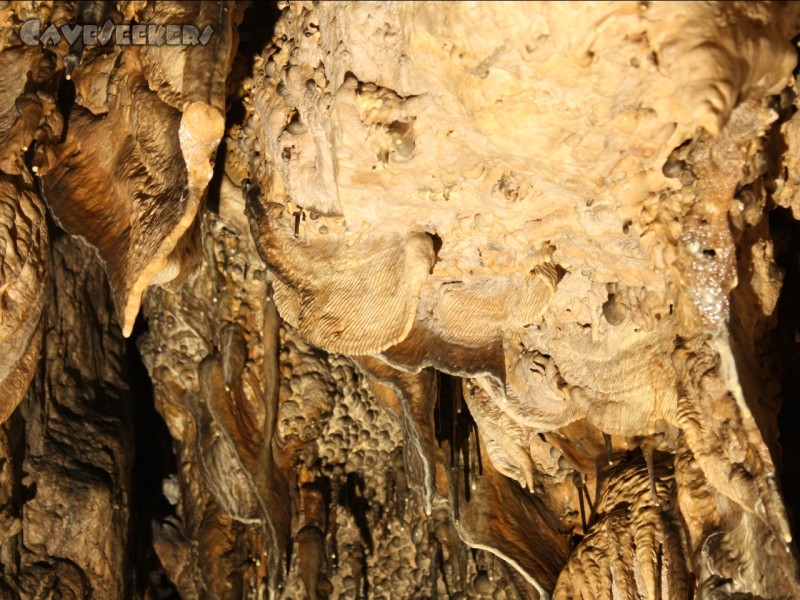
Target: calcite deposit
{"x":399,"y":300}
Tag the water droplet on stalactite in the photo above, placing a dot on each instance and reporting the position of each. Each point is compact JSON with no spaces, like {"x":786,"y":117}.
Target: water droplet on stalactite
{"x":71,"y":62}
{"x":607,"y":440}
{"x":332,"y":549}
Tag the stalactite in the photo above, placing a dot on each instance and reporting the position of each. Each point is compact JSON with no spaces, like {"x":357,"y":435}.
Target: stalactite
{"x":434,"y":299}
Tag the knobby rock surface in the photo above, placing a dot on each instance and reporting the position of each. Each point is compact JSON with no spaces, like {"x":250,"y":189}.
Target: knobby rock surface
{"x":400,"y":300}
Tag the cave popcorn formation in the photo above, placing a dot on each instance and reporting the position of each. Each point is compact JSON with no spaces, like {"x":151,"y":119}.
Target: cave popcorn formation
{"x":431,"y":299}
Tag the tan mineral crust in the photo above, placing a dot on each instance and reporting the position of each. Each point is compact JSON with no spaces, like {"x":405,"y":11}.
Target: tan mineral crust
{"x":436,"y":299}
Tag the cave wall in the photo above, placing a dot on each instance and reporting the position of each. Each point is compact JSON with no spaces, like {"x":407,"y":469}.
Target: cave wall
{"x":430,"y":300}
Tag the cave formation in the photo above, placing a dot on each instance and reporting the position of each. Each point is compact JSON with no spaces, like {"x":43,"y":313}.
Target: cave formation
{"x":400,"y":300}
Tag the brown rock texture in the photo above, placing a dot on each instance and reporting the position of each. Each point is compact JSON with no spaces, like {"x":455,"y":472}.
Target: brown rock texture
{"x":399,"y":300}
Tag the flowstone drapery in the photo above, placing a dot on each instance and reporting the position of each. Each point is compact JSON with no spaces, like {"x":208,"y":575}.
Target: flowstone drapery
{"x":398,"y":300}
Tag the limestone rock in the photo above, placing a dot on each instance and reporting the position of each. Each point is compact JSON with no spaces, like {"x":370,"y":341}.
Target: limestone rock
{"x":442,"y":299}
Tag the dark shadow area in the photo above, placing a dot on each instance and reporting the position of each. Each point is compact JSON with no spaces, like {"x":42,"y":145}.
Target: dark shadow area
{"x":153,"y":462}
{"x":255,"y":33}
{"x":786,"y":349}
{"x":352,"y":498}
{"x":454,"y":425}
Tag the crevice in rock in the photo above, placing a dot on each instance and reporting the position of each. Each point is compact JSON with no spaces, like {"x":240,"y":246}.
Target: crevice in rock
{"x":786,"y":350}
{"x":154,"y":464}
